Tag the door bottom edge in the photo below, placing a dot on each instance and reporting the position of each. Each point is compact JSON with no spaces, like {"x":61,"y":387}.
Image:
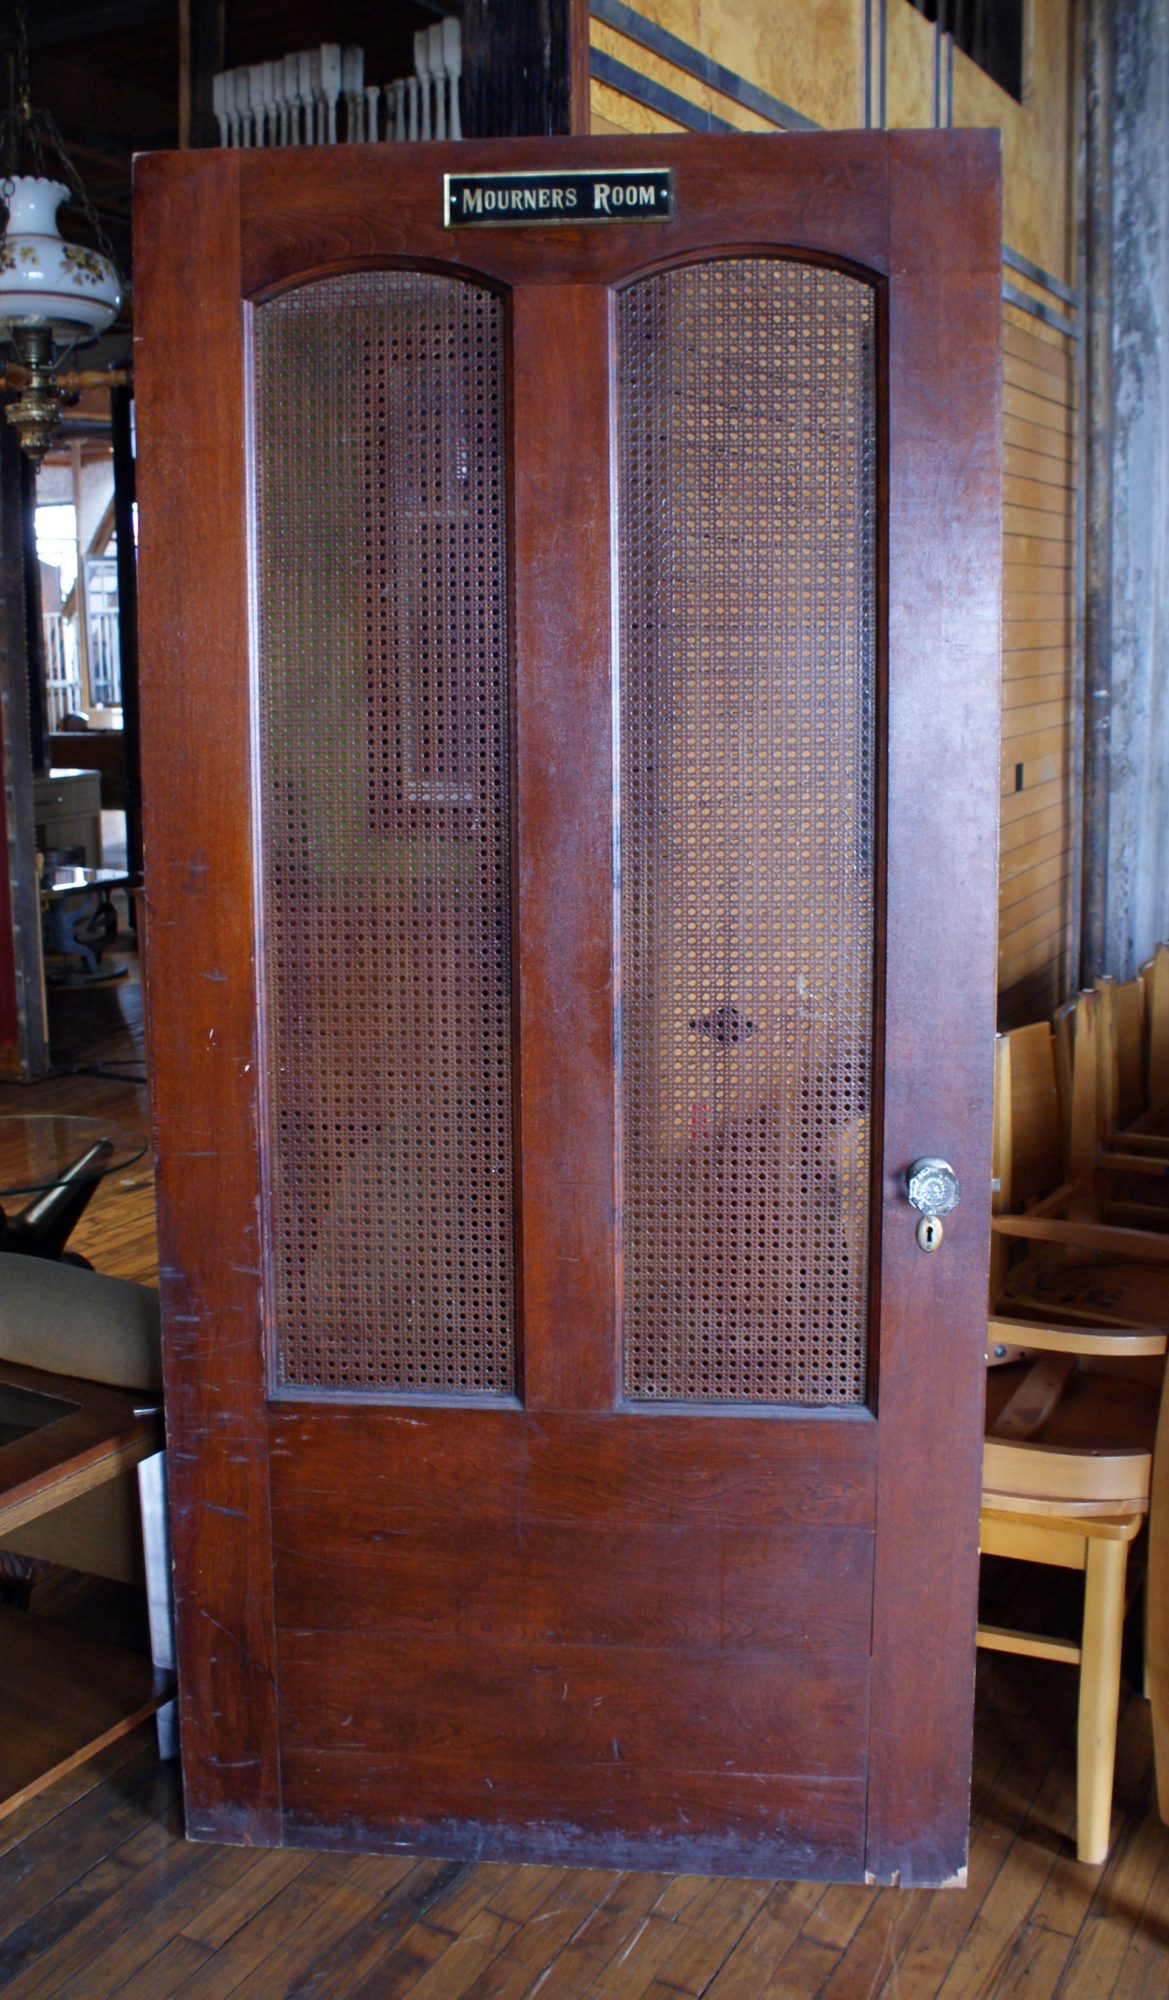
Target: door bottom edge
{"x":568,"y":1846}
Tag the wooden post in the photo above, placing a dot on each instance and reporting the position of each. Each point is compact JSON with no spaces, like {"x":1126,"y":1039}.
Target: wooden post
{"x":80,"y":589}
{"x":121,"y":405}
{"x":525,"y":68}
{"x":24,"y":1042}
{"x":203,"y":33}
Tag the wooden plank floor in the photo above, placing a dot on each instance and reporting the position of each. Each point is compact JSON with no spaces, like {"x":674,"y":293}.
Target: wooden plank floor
{"x":100,"y":1895}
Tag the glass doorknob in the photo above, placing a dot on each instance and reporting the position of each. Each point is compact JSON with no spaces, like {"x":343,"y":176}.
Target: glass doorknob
{"x":933,"y":1189}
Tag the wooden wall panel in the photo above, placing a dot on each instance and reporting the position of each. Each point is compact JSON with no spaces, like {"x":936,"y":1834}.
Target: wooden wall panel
{"x":1038,"y":884}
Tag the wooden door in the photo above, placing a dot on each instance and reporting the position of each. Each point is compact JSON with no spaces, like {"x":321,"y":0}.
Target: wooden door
{"x":569,"y":690}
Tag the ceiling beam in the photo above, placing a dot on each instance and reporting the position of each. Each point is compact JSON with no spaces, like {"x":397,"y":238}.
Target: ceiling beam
{"x":53,"y":21}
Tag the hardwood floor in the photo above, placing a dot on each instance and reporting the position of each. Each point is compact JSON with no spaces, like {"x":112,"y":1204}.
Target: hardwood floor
{"x":100,"y":1895}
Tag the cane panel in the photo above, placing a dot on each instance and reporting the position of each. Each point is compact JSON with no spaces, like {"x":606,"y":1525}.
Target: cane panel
{"x":382,"y":785}
{"x":746,"y":536}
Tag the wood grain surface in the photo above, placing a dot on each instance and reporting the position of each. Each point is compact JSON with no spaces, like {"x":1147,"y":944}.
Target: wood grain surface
{"x":626,"y":1558}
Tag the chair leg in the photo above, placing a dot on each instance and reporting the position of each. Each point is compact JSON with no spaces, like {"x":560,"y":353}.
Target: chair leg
{"x":1157,"y":1613}
{"x":1099,"y":1695}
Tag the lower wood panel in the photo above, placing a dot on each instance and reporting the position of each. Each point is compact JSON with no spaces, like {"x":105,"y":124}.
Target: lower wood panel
{"x":575,"y":1637}
{"x":693,"y":1759}
{"x":664,"y":1469}
{"x":397,"y":1571}
{"x":793,"y":1828}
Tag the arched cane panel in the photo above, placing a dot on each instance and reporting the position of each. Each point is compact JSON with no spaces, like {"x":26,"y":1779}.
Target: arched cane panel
{"x":382,"y":786}
{"x":747,"y":538}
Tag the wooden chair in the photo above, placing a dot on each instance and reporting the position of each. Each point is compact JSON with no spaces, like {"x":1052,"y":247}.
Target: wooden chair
{"x":1111,"y":1147}
{"x":1072,"y":1422}
{"x":1076,"y":1340}
{"x":1056,"y":1245}
{"x":1134,"y":1109}
{"x":1154,"y":976}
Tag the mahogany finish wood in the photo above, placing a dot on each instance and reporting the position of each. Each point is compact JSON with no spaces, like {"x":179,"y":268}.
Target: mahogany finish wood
{"x":196,"y":794}
{"x":564,"y":842}
{"x":945,"y":475}
{"x":459,"y":1682}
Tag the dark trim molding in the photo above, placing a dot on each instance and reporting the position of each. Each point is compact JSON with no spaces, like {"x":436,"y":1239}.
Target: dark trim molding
{"x":643,"y":90}
{"x":1038,"y":310}
{"x":1039,"y":276}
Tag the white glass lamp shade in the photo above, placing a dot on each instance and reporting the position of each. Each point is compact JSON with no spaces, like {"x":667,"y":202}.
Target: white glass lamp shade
{"x":45,"y":282}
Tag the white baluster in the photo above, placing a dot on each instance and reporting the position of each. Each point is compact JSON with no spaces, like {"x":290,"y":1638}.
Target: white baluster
{"x":268,"y":99}
{"x":331,"y":87}
{"x":290,"y":70}
{"x":234,"y":103}
{"x":217,"y":105}
{"x":304,"y":92}
{"x":452,"y":48}
{"x":256,"y":101}
{"x":352,"y":79}
{"x":422,"y":71}
{"x":412,"y":107}
{"x":372,"y":98}
{"x":434,"y":56}
{"x":316,"y":109}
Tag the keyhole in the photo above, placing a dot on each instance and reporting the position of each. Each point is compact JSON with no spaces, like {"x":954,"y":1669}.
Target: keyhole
{"x":929,"y":1232}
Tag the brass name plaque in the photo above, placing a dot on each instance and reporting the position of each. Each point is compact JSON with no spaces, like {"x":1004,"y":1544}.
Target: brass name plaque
{"x":623,"y":194}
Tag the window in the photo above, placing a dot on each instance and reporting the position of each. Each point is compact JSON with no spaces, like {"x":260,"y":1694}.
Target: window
{"x":990,"y":32}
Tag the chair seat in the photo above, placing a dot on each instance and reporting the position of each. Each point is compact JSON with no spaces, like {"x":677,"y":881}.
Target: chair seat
{"x":73,"y":1322}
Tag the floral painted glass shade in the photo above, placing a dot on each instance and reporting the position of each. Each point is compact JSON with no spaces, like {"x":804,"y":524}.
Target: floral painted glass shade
{"x":43,"y":280}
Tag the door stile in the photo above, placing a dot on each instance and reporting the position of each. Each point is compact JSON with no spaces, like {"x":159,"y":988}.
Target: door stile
{"x":944,"y":605}
{"x":201,"y":956}
{"x":561,"y":389}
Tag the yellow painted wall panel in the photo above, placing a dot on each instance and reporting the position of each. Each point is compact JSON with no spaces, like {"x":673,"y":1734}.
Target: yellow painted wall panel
{"x":647,"y":64}
{"x":1022,"y":693}
{"x":1039,"y":661}
{"x":1039,"y":465}
{"x":1033,"y":954}
{"x":1020,"y":549}
{"x":1035,"y":847}
{"x":612,"y":112}
{"x":1053,"y":384}
{"x":909,"y":77}
{"x":1038,"y":138}
{"x":1050,"y":416}
{"x":1033,"y":340}
{"x":1045,"y":903}
{"x":1024,"y":721}
{"x":810,"y":56}
{"x":1016,"y":806}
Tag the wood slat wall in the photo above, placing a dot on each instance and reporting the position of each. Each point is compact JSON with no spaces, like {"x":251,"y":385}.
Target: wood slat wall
{"x":1038,"y":850}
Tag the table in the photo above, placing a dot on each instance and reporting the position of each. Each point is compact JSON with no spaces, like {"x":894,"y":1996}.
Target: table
{"x":64,"y":1696}
{"x":58,"y":1159}
{"x":79,"y":918}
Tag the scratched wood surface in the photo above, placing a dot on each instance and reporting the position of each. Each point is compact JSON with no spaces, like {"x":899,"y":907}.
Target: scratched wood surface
{"x":821,"y":1762}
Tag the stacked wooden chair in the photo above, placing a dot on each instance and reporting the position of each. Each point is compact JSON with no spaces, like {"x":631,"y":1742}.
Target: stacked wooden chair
{"x":1075,"y":1410}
